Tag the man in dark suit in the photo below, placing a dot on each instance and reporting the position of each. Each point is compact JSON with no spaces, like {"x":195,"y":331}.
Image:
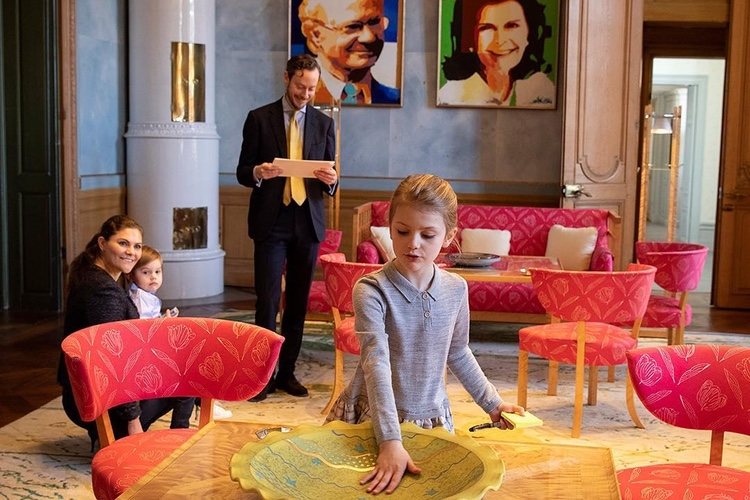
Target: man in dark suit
{"x":286,"y":228}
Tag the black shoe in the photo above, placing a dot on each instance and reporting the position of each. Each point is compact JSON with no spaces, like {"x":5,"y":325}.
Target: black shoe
{"x":270,"y":388}
{"x":292,"y":387}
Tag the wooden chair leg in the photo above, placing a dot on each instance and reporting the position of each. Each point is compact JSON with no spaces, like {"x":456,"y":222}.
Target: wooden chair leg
{"x":631,"y":403}
{"x":578,"y":401}
{"x":338,"y":381}
{"x":610,"y":374}
{"x":670,"y":336}
{"x":717,"y":447}
{"x":593,"y":384}
{"x":552,"y":378}
{"x":523,"y":377}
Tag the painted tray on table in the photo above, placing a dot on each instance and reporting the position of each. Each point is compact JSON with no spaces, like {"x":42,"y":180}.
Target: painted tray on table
{"x":327,"y":462}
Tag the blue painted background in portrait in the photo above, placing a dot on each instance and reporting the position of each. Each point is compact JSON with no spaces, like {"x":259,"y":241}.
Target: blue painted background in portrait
{"x":297,"y":41}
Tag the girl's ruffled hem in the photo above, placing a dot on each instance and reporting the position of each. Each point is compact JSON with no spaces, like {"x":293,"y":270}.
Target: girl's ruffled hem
{"x":357,"y":410}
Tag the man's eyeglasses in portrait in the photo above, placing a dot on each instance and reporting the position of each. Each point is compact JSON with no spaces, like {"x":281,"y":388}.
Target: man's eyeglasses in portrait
{"x":377,"y":24}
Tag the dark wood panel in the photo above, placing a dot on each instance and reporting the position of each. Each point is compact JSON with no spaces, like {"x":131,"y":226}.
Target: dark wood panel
{"x":31,"y":173}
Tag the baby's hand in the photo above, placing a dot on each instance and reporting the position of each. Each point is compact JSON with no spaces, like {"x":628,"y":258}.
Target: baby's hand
{"x":393,"y":462}
{"x":172,"y":313}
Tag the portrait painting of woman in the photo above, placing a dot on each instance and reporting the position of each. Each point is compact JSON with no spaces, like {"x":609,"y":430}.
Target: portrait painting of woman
{"x":498,"y":53}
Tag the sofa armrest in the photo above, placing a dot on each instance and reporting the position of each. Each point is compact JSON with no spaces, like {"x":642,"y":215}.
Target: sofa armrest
{"x":614,"y":239}
{"x":361,"y":222}
{"x":368,"y":253}
{"x":602,"y":259}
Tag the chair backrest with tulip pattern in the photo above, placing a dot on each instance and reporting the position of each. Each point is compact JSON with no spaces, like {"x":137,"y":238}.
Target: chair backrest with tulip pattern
{"x":679,"y":266}
{"x":606,"y":297}
{"x":703,"y":387}
{"x":340,"y":278}
{"x":124,"y":361}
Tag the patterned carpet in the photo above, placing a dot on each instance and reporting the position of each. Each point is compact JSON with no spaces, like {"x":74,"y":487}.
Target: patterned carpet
{"x":43,"y":455}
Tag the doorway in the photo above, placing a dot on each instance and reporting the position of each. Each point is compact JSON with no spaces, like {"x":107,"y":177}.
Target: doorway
{"x":695,"y":88}
{"x":683,"y":73}
{"x":30,"y":242}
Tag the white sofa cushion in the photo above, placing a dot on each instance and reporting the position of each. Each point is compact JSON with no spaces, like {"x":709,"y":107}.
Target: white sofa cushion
{"x":381,"y":237}
{"x":494,"y":241}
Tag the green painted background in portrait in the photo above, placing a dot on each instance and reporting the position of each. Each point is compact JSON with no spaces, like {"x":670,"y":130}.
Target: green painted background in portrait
{"x":445,"y":49}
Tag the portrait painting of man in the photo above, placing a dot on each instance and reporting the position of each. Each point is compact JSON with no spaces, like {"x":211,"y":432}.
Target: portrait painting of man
{"x":498,"y":53}
{"x":358,"y":44}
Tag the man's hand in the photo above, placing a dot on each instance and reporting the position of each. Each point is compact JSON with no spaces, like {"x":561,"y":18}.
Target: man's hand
{"x":496,"y":414}
{"x":393,"y":461}
{"x":326,"y":175}
{"x":134,"y":426}
{"x":265,"y":171}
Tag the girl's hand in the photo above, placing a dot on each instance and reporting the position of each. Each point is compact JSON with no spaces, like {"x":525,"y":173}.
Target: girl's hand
{"x":496,"y":414}
{"x":393,"y":461}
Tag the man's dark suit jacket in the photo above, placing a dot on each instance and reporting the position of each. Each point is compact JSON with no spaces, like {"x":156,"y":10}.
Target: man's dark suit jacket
{"x":263,"y":139}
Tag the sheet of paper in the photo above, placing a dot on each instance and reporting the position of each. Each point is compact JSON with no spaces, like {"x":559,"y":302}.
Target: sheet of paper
{"x":300,"y":168}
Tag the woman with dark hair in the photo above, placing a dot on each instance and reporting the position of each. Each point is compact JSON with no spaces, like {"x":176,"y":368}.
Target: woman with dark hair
{"x":96,"y":294}
{"x":498,"y":55}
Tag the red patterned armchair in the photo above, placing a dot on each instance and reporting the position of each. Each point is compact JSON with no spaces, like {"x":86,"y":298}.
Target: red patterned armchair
{"x":317,"y":303}
{"x":125,"y":361}
{"x":584,"y":305}
{"x":529,"y":227}
{"x":678,"y":271}
{"x":705,"y":387}
{"x":340,"y":278}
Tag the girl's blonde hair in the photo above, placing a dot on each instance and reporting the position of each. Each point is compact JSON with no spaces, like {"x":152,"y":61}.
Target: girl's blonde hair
{"x":428,"y":192}
{"x":148,"y":255}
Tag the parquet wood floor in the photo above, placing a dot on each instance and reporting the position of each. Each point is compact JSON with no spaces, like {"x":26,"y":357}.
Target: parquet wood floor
{"x":29,"y":349}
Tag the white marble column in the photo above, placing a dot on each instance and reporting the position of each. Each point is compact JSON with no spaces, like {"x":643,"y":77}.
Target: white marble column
{"x":173,"y":162}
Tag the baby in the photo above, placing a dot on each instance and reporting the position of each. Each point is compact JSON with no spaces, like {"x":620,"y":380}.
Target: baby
{"x":146,"y":278}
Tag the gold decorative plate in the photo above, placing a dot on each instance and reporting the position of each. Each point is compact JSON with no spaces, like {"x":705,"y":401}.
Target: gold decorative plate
{"x":327,"y":462}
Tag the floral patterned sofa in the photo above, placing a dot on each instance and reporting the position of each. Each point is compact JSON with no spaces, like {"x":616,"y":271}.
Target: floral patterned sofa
{"x":529,"y":227}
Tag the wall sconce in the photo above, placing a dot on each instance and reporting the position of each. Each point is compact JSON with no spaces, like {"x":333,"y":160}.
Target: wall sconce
{"x":661,"y":124}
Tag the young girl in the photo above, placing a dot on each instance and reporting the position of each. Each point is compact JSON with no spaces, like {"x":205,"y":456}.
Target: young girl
{"x":146,"y":278}
{"x":412,"y":319}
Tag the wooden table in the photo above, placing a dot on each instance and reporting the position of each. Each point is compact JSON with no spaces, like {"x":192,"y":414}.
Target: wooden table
{"x":509,"y":269}
{"x":200,"y":468}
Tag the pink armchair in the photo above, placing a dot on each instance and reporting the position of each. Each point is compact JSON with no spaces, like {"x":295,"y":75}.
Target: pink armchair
{"x":678,"y":271}
{"x":125,"y":361}
{"x":340,"y":278}
{"x":587,"y":302}
{"x":317,"y":303}
{"x":705,"y":387}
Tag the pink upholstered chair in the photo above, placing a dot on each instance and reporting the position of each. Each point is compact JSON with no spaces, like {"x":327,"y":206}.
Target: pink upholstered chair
{"x":678,"y":271}
{"x":317,"y":303}
{"x":340,"y":278}
{"x":125,"y":361}
{"x":587,"y":303}
{"x":705,"y":387}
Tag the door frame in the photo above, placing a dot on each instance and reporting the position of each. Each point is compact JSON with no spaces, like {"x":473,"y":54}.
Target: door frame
{"x":69,"y":132}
